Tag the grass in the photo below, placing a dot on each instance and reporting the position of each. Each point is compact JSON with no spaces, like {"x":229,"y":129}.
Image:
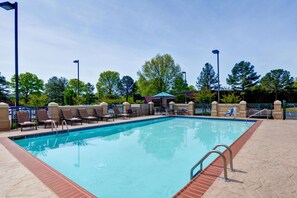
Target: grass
{"x":293,"y":109}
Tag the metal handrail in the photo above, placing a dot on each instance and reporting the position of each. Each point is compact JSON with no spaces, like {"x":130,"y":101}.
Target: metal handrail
{"x":53,"y":124}
{"x":205,"y":156}
{"x":259,"y":112}
{"x":230,"y":154}
{"x":64,"y":122}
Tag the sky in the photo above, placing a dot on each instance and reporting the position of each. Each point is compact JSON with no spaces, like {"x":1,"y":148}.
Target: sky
{"x":120,"y":36}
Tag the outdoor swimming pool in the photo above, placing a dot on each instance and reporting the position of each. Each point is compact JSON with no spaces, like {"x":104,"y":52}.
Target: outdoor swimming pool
{"x":150,"y":158}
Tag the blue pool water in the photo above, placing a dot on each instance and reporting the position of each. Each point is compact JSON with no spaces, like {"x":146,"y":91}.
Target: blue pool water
{"x":150,"y":158}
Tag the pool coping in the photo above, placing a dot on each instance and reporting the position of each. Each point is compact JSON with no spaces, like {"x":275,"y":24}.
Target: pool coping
{"x":63,"y":186}
{"x":201,"y":183}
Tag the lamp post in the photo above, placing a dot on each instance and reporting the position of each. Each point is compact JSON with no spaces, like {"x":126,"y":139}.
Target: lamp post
{"x":77,"y":61}
{"x":10,"y":6}
{"x":217,"y":53}
{"x":185,"y":73}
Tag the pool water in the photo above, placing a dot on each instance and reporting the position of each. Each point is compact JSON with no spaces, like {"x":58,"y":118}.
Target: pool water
{"x":150,"y":158}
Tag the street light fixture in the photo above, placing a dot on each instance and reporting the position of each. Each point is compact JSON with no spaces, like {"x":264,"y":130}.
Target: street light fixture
{"x":77,"y":61}
{"x":185,"y":73}
{"x":217,"y":53}
{"x":10,"y":6}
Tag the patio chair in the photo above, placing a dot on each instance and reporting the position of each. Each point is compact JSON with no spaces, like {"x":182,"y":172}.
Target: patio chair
{"x":68,"y":117}
{"x":43,"y":118}
{"x":118,"y":114}
{"x":83,"y":114}
{"x":100,"y":115}
{"x":24,"y":120}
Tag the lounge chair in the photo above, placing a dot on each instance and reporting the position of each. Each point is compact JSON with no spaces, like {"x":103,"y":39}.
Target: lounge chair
{"x":24,"y":120}
{"x":67,"y":115}
{"x":83,"y":114}
{"x":118,"y":114}
{"x":43,"y":118}
{"x":100,"y":115}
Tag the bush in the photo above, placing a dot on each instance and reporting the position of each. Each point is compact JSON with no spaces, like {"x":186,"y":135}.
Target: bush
{"x":230,"y":99}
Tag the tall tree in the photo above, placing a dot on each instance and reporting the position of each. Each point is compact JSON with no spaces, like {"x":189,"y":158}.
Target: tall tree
{"x":207,"y":79}
{"x":3,"y":88}
{"x":108,"y":83}
{"x":243,"y":77}
{"x":55,"y":88}
{"x":70,"y":93}
{"x":179,"y":84}
{"x":277,"y":80}
{"x":28,"y":84}
{"x":126,"y":86}
{"x":158,"y":74}
{"x":89,"y":93}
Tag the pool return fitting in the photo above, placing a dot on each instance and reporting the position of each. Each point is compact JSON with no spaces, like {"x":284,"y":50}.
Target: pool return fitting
{"x":192,"y":175}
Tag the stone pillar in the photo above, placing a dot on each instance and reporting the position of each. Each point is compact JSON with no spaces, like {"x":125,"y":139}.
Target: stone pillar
{"x":171,"y":107}
{"x":54,"y":111}
{"x":127,"y":106}
{"x":214,"y":109}
{"x":104,"y":106}
{"x":242,"y":109}
{"x":151,"y":108}
{"x":191,"y":108}
{"x":277,"y":110}
{"x":4,"y":117}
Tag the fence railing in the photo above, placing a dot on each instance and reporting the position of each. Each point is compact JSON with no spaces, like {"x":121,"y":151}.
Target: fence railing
{"x":289,"y":111}
{"x":253,"y":108}
{"x":202,"y":109}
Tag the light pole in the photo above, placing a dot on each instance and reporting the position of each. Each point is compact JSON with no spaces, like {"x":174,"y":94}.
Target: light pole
{"x":185,"y":73}
{"x":217,"y":53}
{"x":77,"y":61}
{"x":9,"y":6}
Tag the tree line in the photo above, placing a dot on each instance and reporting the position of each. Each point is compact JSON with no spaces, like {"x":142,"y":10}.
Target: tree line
{"x":159,"y":74}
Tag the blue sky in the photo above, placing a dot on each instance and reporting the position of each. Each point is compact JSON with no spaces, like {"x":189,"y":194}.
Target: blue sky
{"x":121,"y":35}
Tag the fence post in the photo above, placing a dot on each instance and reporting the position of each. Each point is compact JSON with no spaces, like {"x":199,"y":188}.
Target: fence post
{"x":53,"y":111}
{"x":104,"y":106}
{"x":151,"y":108}
{"x":171,"y":106}
{"x":284,"y":110}
{"x":214,"y":109}
{"x":277,"y":110}
{"x":191,"y":108}
{"x":4,"y":117}
{"x":242,"y":109}
{"x":126,"y":106}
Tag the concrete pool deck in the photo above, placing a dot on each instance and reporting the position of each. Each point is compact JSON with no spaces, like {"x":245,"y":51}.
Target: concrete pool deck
{"x":265,"y":166}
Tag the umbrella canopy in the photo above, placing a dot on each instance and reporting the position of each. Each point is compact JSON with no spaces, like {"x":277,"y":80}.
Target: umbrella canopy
{"x":163,"y":95}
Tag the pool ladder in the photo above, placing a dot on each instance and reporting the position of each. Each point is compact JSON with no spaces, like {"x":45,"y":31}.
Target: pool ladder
{"x":192,"y":175}
{"x":65,"y":123}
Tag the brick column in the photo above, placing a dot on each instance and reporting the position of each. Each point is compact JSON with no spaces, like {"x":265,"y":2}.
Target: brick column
{"x":127,"y":106}
{"x":4,"y":117}
{"x":53,"y":111}
{"x":151,"y":108}
{"x":277,"y":110}
{"x":171,"y":107}
{"x":104,"y":106}
{"x":214,"y":109}
{"x":191,"y":108}
{"x":242,"y":109}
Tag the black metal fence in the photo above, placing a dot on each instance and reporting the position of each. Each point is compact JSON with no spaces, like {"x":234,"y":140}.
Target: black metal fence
{"x":253,"y":108}
{"x":203,"y":109}
{"x":289,"y":111}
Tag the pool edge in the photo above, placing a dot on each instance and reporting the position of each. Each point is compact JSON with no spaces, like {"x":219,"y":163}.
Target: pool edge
{"x":57,"y":182}
{"x":201,"y":183}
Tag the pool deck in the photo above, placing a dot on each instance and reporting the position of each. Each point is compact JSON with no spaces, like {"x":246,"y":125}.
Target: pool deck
{"x":266,"y":166}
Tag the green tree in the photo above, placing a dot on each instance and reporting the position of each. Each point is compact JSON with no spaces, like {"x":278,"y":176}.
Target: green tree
{"x":230,"y":98}
{"x":89,"y":93}
{"x":276,"y":81}
{"x":70,"y":93}
{"x":207,"y":79}
{"x":3,"y":88}
{"x":243,"y":77}
{"x":158,"y":75}
{"x":126,"y":86}
{"x":55,"y":88}
{"x":28,"y":84}
{"x":179,"y":84}
{"x":204,"y":96}
{"x":108,"y":83}
{"x":37,"y":100}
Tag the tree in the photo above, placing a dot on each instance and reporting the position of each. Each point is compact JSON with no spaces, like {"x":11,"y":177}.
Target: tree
{"x":179,"y":84}
{"x":89,"y":93}
{"x":204,"y":96}
{"x":243,"y":77}
{"x":158,"y":75}
{"x":37,"y":100}
{"x":230,"y":98}
{"x":207,"y":79}
{"x":277,"y":80}
{"x":108,"y":83}
{"x":126,"y":86}
{"x":28,"y":84}
{"x":70,"y":94}
{"x":55,"y":88}
{"x":3,"y":88}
